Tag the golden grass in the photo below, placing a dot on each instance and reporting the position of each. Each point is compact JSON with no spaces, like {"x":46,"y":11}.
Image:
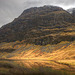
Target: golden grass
{"x":35,"y":52}
{"x":70,"y":62}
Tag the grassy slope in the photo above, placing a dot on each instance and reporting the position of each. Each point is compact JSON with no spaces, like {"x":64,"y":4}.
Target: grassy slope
{"x":62,"y":53}
{"x":65,"y":52}
{"x":19,"y":50}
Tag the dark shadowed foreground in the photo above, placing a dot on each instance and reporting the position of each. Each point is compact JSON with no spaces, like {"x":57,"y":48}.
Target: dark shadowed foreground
{"x":34,"y":67}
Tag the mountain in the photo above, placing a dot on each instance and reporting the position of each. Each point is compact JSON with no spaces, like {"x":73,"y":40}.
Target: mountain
{"x":46,"y":32}
{"x":40,"y":35}
{"x":40,"y":26}
{"x":72,"y":11}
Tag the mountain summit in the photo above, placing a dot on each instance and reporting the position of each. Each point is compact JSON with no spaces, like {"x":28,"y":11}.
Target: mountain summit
{"x":40,"y":26}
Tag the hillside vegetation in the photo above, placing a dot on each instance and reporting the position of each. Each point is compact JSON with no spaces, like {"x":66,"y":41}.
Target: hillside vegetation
{"x":19,"y":50}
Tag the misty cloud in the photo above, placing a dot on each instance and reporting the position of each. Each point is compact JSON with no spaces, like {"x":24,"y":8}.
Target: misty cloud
{"x":10,"y":9}
{"x":62,"y":3}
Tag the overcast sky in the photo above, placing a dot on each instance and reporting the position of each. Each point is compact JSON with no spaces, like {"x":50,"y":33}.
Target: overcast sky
{"x":10,"y":9}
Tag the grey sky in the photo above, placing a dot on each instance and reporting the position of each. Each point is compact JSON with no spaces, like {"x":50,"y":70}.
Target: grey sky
{"x":10,"y":9}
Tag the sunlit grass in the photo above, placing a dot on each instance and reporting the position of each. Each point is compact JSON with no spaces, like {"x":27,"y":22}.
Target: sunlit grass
{"x":70,"y":62}
{"x":60,"y":51}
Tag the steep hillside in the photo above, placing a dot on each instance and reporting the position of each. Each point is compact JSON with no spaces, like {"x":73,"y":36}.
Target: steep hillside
{"x":40,"y":26}
{"x":19,"y":50}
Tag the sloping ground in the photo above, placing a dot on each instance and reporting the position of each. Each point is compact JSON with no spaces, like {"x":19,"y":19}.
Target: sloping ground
{"x":65,"y":52}
{"x":19,"y":50}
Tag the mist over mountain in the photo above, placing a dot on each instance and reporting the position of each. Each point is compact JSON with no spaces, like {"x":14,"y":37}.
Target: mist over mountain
{"x":72,"y":11}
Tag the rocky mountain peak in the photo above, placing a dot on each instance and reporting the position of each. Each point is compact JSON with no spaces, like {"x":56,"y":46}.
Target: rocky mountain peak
{"x":40,"y":25}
